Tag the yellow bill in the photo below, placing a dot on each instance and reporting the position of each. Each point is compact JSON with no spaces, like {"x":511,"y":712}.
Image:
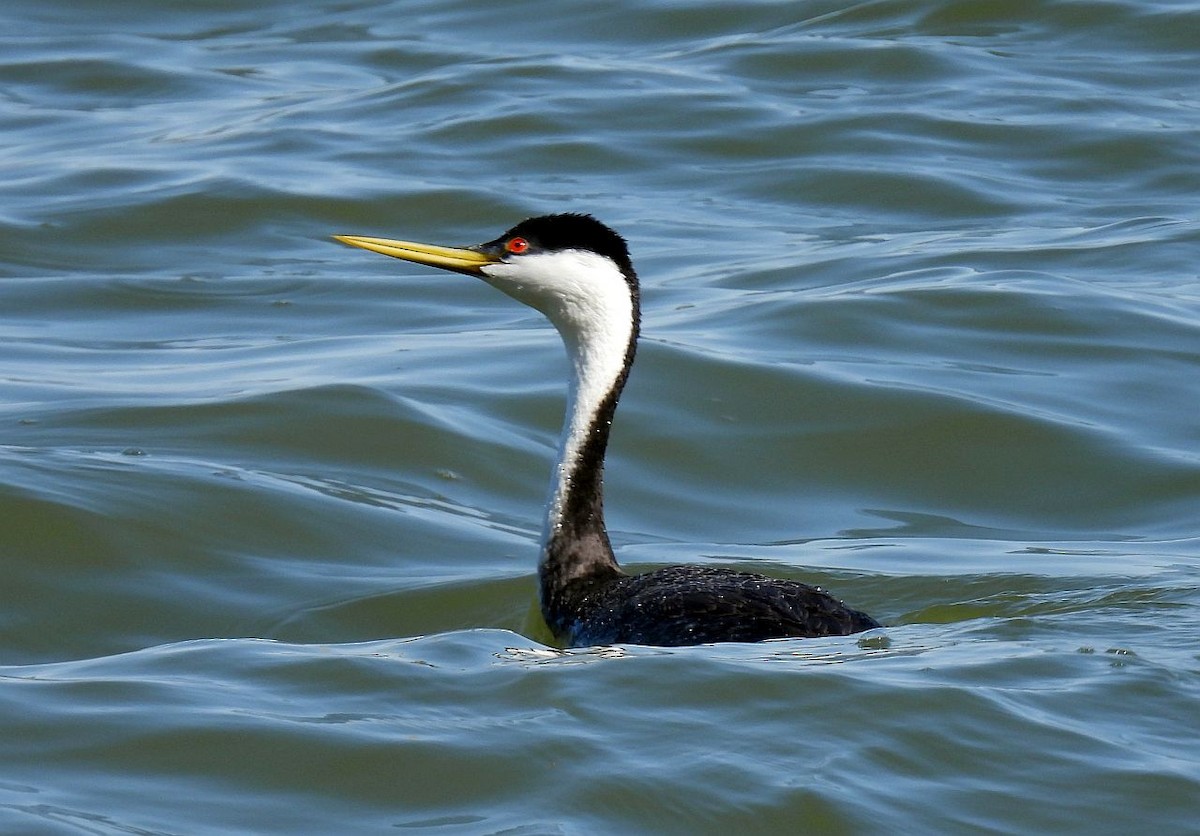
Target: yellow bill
{"x":448,"y":258}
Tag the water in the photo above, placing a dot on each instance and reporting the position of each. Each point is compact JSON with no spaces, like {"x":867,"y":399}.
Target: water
{"x":922,"y":324}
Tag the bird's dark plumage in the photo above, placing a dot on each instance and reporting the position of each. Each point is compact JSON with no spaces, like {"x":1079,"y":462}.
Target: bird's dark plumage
{"x":684,"y":605}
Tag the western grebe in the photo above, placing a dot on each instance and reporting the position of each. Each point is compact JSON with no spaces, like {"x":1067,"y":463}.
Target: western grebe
{"x":577,"y":272}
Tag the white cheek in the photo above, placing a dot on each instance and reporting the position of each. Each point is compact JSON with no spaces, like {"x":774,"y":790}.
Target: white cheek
{"x":577,"y":290}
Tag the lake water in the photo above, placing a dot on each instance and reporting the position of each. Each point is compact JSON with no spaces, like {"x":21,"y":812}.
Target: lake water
{"x":922,"y":325}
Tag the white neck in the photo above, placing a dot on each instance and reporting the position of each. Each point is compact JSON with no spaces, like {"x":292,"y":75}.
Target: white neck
{"x":590,"y":303}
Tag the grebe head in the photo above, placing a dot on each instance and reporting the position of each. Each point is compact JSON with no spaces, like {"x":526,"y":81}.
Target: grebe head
{"x":571,"y":267}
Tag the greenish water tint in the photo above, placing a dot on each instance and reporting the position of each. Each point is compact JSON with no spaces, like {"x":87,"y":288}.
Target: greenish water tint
{"x":922,"y":325}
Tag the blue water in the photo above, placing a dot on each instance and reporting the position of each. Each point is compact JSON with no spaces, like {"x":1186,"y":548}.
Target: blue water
{"x":922,"y":325}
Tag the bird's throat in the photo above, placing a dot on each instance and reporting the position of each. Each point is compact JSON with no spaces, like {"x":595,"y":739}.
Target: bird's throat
{"x":575,"y":540}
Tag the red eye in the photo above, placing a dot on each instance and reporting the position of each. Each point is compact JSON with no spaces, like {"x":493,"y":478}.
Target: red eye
{"x":516,"y":245}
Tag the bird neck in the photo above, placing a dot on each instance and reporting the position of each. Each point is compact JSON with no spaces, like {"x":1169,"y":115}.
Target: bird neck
{"x":592,"y":300}
{"x":575,"y":542}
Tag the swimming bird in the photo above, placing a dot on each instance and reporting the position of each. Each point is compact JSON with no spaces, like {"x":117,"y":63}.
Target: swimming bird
{"x":578,"y":273}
